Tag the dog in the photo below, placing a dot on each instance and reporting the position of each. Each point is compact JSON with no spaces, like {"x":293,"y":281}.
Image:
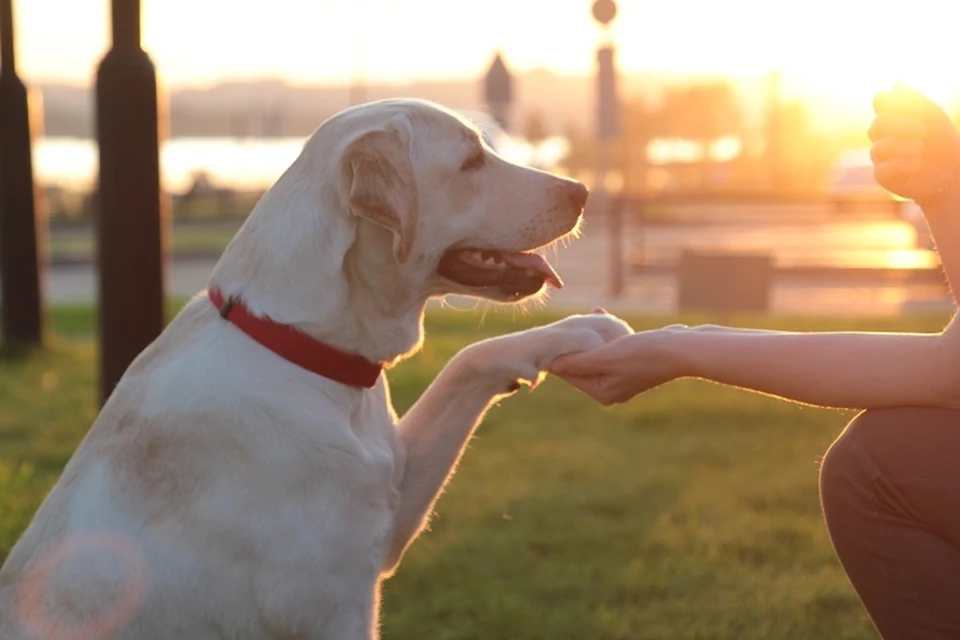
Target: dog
{"x":248,"y":477}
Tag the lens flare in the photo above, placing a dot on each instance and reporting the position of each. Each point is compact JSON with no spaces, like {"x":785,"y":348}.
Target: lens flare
{"x":68,"y":622}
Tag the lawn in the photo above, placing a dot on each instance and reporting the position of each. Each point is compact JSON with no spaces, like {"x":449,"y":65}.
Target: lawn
{"x":185,"y":239}
{"x":689,"y":513}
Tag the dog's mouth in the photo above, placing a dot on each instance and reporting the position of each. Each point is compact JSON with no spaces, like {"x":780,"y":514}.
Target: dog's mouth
{"x":514,"y":274}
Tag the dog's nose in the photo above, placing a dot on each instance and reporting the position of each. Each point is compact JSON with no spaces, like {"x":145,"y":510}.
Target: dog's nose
{"x":578,"y":194}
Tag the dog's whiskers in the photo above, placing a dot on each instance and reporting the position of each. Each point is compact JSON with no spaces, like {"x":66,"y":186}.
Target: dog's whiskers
{"x":483,"y":316}
{"x":448,"y":305}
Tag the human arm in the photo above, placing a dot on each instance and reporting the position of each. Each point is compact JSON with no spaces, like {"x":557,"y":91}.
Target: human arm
{"x":916,"y":154}
{"x":841,"y":370}
{"x":436,"y":429}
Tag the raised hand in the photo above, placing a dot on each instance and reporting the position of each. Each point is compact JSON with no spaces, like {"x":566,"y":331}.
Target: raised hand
{"x":623,"y":368}
{"x":916,"y":148}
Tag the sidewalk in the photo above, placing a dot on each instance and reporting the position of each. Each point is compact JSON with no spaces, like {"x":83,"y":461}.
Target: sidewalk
{"x":586,"y":268}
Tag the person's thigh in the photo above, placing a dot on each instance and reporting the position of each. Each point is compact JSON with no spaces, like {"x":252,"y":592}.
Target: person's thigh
{"x":890,"y":489}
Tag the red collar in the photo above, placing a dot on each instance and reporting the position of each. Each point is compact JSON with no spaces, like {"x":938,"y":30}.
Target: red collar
{"x":298,"y":347}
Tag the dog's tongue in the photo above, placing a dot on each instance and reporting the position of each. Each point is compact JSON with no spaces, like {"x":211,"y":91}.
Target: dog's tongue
{"x":535,"y":262}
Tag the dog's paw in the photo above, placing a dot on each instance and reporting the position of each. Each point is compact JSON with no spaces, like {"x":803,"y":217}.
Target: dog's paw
{"x":580,"y":333}
{"x":524,"y":357}
{"x":608,"y":327}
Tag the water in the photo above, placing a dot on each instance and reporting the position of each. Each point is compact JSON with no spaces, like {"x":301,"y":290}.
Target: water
{"x":247,"y":163}
{"x":235,"y":163}
{"x":585,"y":268}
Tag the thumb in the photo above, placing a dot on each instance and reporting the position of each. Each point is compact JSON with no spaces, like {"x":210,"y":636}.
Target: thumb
{"x":905,"y":100}
{"x":580,"y":364}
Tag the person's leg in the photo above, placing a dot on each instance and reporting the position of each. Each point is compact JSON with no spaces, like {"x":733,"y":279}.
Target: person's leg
{"x":890,"y":490}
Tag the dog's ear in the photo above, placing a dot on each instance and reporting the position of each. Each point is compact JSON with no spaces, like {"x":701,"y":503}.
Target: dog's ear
{"x":380,"y":185}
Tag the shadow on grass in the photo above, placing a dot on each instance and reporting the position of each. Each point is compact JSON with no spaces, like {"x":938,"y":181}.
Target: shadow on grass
{"x":17,"y":354}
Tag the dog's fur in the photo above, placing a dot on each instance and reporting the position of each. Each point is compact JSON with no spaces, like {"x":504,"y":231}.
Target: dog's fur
{"x":223,"y":492}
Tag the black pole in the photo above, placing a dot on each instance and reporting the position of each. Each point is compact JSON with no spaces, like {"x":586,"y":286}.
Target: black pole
{"x":134,"y":213}
{"x":20,"y":221}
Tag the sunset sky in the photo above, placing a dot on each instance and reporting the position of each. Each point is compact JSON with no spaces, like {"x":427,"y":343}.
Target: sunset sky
{"x":842,"y":49}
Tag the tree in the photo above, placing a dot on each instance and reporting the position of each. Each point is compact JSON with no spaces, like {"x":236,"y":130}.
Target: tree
{"x":628,"y":153}
{"x":641,"y":125}
{"x":703,"y":113}
{"x":804,"y":154}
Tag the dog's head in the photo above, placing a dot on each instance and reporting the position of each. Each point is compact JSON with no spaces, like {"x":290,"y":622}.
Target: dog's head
{"x":388,"y":204}
{"x":438,"y":207}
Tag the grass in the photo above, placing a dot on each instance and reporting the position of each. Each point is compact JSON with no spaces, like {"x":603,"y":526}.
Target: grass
{"x":80,"y":244}
{"x":690,"y":513}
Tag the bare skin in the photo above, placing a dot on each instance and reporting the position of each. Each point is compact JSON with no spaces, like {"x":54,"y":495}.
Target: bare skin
{"x":916,"y":154}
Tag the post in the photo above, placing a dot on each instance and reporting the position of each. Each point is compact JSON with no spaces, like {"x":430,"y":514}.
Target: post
{"x":608,"y":130}
{"x":498,"y":91}
{"x":616,"y":246}
{"x":134,"y":213}
{"x":21,"y":222}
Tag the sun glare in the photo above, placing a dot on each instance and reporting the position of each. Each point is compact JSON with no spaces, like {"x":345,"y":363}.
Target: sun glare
{"x":837,"y":52}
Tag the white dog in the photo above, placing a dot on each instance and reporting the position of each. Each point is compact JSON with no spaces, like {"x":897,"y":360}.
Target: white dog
{"x":248,"y":478}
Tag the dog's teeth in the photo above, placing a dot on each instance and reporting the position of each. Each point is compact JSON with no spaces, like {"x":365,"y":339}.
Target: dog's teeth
{"x":490,"y":261}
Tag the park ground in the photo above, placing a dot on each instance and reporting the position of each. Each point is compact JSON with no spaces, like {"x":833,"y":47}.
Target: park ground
{"x":689,"y":513}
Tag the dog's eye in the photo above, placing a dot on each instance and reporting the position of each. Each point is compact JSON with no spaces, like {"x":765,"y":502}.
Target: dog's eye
{"x":474,"y":162}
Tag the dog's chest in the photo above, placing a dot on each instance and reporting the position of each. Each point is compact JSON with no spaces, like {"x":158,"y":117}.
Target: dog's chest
{"x":323,"y":555}
{"x":374,"y":425}
{"x":357,"y":461}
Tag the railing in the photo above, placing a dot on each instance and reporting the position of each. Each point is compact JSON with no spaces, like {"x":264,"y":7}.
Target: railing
{"x":671,"y":235}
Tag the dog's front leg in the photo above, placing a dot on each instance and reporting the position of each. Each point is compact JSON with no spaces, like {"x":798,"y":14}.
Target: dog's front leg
{"x":435,"y":430}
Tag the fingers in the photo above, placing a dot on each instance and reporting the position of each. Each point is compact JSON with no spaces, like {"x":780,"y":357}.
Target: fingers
{"x":894,"y":155}
{"x":895,"y":148}
{"x":587,"y":363}
{"x":885,"y":102}
{"x":896,"y":126}
{"x":898,"y":143}
{"x":891,"y":171}
{"x":592,"y":385}
{"x":904,"y":101}
{"x":565,"y":364}
{"x":600,"y":388}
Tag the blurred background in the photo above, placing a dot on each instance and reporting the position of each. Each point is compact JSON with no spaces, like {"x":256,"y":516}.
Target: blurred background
{"x":733,"y":127}
{"x":724,"y":142}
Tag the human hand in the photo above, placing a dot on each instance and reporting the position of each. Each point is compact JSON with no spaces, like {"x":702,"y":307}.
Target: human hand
{"x":622,"y":368}
{"x":524,"y":357}
{"x":916,"y":148}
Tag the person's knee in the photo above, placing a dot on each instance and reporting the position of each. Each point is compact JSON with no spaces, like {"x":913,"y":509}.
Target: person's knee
{"x":850,"y":464}
{"x":866,"y":449}
{"x":892,"y":443}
